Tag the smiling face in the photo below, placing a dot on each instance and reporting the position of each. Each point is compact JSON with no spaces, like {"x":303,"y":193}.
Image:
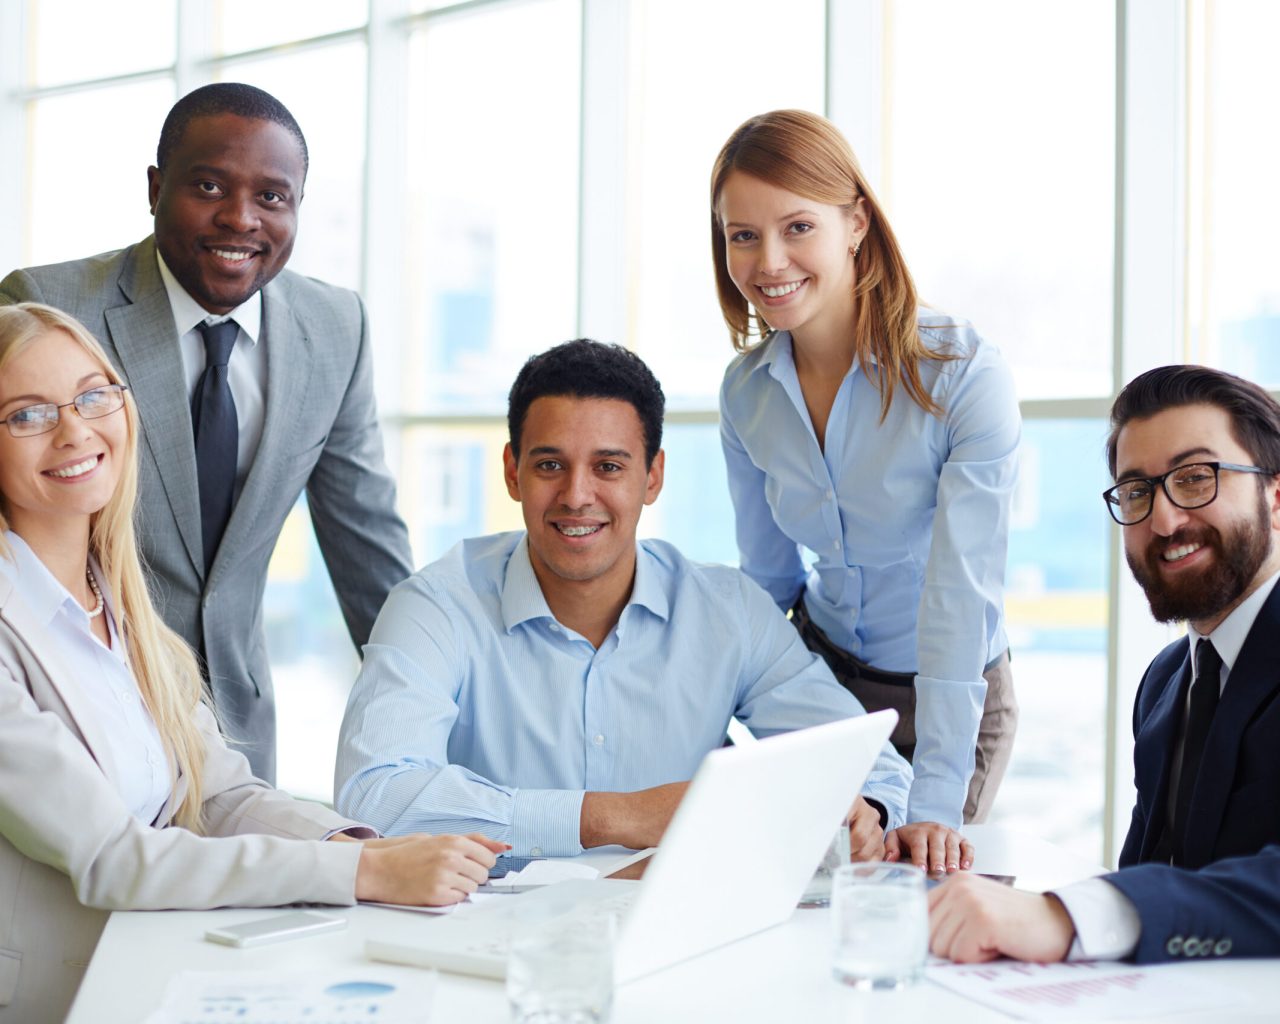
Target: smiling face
{"x":791,"y":257}
{"x":57,"y":480}
{"x":581,"y":482}
{"x":226,"y":207}
{"x":1198,"y":564}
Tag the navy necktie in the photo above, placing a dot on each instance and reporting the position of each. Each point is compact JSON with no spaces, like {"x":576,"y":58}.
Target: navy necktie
{"x":217,"y":432}
{"x":1204,"y":702}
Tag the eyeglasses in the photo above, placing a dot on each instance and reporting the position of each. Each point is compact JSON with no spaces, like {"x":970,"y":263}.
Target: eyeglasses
{"x":91,"y":405}
{"x":1191,"y":486}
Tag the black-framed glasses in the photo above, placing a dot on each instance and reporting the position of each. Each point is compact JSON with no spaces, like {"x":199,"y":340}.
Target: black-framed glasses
{"x":1191,"y":486}
{"x":31,"y":420}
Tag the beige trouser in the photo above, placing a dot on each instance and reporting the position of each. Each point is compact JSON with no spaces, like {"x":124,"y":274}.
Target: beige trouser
{"x":877,"y":689}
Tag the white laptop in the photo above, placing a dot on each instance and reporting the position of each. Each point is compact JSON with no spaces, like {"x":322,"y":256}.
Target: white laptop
{"x":738,"y":854}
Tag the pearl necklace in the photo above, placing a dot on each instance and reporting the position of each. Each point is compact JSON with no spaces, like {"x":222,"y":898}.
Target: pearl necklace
{"x":99,"y":603}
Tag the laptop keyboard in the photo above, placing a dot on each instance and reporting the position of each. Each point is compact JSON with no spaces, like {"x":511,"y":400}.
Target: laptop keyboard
{"x":498,"y":945}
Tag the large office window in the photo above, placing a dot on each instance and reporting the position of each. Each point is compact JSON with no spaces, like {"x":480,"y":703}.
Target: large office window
{"x":1003,"y":200}
{"x":1083,"y":180}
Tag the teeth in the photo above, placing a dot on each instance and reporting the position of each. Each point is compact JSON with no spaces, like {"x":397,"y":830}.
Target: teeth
{"x":781,"y":290}
{"x":577,"y":531}
{"x":234,"y":257}
{"x":79,"y":469}
{"x":1179,"y":553}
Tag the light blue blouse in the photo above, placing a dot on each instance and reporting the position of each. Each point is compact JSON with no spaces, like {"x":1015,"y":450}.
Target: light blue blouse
{"x":905,"y":524}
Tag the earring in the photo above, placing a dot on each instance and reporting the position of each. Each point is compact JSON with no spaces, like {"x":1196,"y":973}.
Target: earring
{"x":856,"y":249}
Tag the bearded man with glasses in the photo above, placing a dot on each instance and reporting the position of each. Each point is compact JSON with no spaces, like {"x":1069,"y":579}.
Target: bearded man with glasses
{"x":1196,"y":456}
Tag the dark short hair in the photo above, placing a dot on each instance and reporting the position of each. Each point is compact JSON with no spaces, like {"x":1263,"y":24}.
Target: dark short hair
{"x":589,"y":369}
{"x":225,"y":98}
{"x":1255,"y":415}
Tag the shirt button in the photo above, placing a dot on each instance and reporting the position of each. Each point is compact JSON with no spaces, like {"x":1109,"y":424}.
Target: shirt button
{"x":536,"y":851}
{"x":835,"y":546}
{"x":555,"y":627}
{"x":598,"y":740}
{"x":829,"y":494}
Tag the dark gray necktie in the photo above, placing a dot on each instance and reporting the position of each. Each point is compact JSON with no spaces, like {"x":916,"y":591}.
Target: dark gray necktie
{"x":1204,"y":702}
{"x":217,"y":432}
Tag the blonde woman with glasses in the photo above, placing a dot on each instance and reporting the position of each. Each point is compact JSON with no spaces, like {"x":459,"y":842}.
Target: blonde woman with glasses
{"x":116,"y":789}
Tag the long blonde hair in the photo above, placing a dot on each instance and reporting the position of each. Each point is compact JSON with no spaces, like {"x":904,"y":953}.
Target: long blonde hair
{"x":806,"y":154}
{"x":163,"y":665}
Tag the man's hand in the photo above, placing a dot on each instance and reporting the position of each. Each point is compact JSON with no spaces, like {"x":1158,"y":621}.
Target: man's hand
{"x":424,"y":870}
{"x":866,"y":837}
{"x":635,"y":820}
{"x":973,"y":919}
{"x":929,"y":846}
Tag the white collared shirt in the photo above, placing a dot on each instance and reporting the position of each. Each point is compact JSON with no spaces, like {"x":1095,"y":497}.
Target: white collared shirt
{"x":133,"y":756}
{"x":1106,"y":922}
{"x":247,"y":370}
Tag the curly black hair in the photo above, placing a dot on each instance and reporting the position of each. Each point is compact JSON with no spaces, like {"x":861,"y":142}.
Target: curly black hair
{"x":225,"y":98}
{"x":589,"y":369}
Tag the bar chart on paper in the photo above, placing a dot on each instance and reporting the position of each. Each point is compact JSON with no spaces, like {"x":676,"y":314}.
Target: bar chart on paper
{"x":1086,"y":990}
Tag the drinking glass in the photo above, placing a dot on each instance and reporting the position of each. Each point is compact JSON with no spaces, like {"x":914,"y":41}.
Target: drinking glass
{"x":562,"y":972}
{"x":880,"y":925}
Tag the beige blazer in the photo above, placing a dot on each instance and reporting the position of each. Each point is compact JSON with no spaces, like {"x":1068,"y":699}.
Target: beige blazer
{"x":320,"y":434}
{"x":70,"y":851}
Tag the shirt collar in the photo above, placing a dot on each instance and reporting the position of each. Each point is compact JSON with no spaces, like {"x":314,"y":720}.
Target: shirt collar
{"x":189,"y":314}
{"x":1231,"y":633}
{"x":779,"y":357}
{"x":523,"y":600}
{"x":41,"y":591}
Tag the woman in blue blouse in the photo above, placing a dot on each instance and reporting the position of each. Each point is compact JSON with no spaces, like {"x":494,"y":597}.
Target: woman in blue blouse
{"x":879,"y":437}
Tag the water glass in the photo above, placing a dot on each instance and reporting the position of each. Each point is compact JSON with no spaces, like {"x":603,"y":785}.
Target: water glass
{"x":880,"y":925}
{"x":562,"y":972}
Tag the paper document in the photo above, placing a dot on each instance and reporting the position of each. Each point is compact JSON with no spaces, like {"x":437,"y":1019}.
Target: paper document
{"x":306,"y":997}
{"x":1083,"y":991}
{"x":411,"y":907}
{"x":545,"y":872}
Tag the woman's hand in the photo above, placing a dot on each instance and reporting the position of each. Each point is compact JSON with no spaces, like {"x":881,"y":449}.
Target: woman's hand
{"x":421,"y":870}
{"x":866,"y":839}
{"x":930,"y":846}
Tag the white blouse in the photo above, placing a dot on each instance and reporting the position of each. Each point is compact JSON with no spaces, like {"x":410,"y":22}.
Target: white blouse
{"x":135,"y":754}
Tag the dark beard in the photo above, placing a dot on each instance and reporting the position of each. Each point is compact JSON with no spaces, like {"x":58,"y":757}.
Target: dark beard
{"x":1238,"y":557}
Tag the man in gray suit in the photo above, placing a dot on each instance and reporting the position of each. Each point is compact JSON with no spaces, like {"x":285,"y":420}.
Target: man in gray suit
{"x":253,"y":383}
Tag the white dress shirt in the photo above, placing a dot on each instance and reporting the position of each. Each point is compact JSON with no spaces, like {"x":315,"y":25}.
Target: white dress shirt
{"x":1107,"y":925}
{"x":247,"y":370}
{"x":134,"y":755}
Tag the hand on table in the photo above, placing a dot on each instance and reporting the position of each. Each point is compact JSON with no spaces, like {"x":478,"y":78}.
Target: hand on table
{"x":929,"y":846}
{"x":972,"y":919}
{"x":431,"y":871}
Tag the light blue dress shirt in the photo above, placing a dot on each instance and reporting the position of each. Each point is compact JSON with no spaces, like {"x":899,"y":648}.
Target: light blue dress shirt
{"x":906,"y":522}
{"x":475,"y":710}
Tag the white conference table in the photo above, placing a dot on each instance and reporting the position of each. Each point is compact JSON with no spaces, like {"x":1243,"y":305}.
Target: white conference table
{"x":782,"y":974}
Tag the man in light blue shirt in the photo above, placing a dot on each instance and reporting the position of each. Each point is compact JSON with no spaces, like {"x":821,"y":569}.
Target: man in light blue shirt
{"x":556,"y":688}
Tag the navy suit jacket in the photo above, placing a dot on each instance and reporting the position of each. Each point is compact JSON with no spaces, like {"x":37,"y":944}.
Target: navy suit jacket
{"x":1226,"y":901}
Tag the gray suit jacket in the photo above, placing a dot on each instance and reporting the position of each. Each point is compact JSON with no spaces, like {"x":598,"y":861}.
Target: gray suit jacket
{"x":70,"y":850}
{"x":320,"y":433}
